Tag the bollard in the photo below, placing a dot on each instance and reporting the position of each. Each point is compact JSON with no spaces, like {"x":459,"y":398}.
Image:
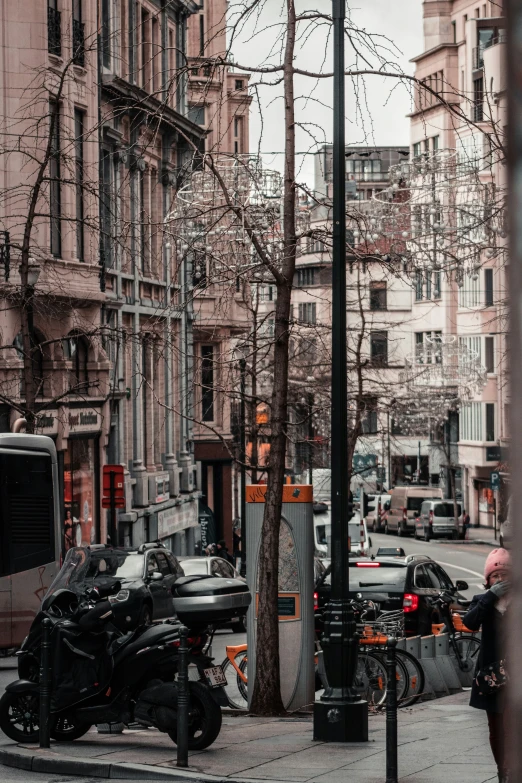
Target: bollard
{"x":391,"y":713}
{"x":45,"y":684}
{"x":183,"y":698}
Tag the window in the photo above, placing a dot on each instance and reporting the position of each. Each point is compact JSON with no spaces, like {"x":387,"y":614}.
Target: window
{"x":239,"y":84}
{"x":416,"y":149}
{"x":478,"y":100}
{"x":369,"y":422}
{"x":307,"y":312}
{"x":106,"y":208}
{"x":196,"y":114}
{"x":54,"y":29}
{"x":76,"y":350}
{"x":145,"y":58}
{"x":469,"y":292}
{"x":238,"y":135}
{"x":78,"y":38}
{"x":106,"y":33}
{"x":454,"y":27}
{"x":470,"y":421}
{"x":489,"y":354}
{"x":488,"y":287}
{"x":379,"y":348}
{"x":490,"y":421}
{"x":201,"y":35}
{"x":437,"y":285}
{"x":378,"y":295}
{"x":55,"y":190}
{"x":428,"y":285}
{"x":418,"y":286}
{"x":435,"y":143}
{"x":207,"y":382}
{"x":78,"y":147}
{"x":305,"y":277}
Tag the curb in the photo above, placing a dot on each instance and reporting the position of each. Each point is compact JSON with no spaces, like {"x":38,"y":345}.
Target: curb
{"x":53,"y":763}
{"x":48,"y":762}
{"x":469,"y":542}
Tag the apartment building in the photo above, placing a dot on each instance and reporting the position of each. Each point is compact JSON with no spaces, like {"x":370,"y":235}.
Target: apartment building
{"x":109,"y":297}
{"x":460,"y":140}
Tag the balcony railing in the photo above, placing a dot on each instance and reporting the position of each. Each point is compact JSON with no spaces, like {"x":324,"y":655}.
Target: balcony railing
{"x":54,"y":32}
{"x":78,"y":42}
{"x":478,"y":51}
{"x":478,"y":112}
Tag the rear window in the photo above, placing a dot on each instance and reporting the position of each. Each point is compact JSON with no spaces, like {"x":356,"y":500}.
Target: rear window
{"x":446,"y":510}
{"x":370,"y":579}
{"x":414,"y":504}
{"x":122,"y":565}
{"x":323,"y":532}
{"x":193,"y":567}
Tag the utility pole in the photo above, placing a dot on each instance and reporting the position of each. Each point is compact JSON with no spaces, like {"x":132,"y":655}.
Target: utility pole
{"x":339,"y":716}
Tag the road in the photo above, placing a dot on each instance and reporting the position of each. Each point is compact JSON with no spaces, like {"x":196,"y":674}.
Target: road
{"x":461,"y":561}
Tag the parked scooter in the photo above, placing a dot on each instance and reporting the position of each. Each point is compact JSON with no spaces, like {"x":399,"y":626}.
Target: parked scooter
{"x":102,"y":676}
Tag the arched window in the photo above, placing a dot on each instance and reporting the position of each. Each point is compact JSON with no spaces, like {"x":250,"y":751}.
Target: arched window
{"x":76,"y":350}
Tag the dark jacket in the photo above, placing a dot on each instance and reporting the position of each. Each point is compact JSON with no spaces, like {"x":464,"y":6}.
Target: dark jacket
{"x":483,"y":613}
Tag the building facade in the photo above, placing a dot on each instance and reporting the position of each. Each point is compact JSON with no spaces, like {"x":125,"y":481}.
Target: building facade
{"x":462,"y":136}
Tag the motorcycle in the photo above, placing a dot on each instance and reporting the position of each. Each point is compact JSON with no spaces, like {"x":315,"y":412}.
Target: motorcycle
{"x":102,"y":676}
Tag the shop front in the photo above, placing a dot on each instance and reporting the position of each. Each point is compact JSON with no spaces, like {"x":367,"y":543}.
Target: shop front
{"x":77,"y":432}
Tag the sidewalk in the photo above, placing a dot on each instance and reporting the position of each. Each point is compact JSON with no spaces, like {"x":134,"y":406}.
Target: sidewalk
{"x":439,"y":741}
{"x":479,"y":535}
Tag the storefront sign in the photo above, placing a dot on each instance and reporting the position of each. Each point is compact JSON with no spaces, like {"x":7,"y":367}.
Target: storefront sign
{"x":47,"y":422}
{"x":177,"y":518}
{"x":83,"y":420}
{"x":208,"y":526}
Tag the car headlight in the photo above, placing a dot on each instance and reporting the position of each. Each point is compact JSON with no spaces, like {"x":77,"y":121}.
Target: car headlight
{"x":123,"y":595}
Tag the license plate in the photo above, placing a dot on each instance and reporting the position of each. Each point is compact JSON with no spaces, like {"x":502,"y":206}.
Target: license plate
{"x":215,"y":676}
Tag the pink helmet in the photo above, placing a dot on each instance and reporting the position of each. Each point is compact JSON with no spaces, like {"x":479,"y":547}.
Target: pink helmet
{"x":497,"y":560}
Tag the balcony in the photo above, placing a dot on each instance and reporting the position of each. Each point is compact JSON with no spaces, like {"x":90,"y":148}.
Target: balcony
{"x":478,"y":58}
{"x":78,"y":43}
{"x":54,"y":32}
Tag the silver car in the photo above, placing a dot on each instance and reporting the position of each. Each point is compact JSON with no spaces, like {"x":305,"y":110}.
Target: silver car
{"x":437,"y":519}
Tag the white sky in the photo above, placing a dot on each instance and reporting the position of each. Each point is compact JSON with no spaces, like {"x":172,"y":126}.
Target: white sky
{"x":376,"y":116}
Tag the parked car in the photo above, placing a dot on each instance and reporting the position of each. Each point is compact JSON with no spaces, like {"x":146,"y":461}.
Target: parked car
{"x":409,"y":583}
{"x":405,"y":504}
{"x":377,"y":512}
{"x":214,"y":566}
{"x":437,"y":519}
{"x":147,"y":574}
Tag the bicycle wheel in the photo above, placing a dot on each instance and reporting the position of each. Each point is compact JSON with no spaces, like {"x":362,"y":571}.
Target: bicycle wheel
{"x":415,"y":675}
{"x":370,"y":678}
{"x":401,"y":675}
{"x":468,"y":647}
{"x":236,"y":689}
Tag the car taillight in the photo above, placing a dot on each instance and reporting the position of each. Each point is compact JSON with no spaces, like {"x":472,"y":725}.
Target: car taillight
{"x":410,"y":603}
{"x":431,"y":517}
{"x":368,"y":565}
{"x":316,"y":600}
{"x":404,"y":514}
{"x":193,"y":641}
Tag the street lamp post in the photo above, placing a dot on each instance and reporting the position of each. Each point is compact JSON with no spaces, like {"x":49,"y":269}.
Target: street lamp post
{"x":339,"y":716}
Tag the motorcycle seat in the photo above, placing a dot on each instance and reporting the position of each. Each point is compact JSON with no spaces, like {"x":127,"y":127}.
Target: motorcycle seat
{"x":154,"y":634}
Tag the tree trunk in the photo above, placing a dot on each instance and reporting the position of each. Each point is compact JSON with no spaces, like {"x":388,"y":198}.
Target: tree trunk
{"x":266,"y":698}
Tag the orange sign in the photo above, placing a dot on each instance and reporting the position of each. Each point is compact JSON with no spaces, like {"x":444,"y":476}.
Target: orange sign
{"x":292,"y":493}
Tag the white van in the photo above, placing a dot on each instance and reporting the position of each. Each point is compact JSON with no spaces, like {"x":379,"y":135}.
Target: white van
{"x":377,"y":512}
{"x":360,"y":544}
{"x":405,"y":504}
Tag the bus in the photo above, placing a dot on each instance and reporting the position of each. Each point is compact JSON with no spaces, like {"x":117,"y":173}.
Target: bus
{"x":30,"y":530}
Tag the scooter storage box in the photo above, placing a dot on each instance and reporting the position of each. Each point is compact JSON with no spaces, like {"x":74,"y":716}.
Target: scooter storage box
{"x":207,"y":600}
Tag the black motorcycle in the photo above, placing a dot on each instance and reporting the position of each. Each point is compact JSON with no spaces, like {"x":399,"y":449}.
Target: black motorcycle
{"x":102,"y":676}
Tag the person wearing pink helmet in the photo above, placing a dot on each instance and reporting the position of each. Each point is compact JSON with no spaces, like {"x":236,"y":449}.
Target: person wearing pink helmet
{"x":487,"y":611}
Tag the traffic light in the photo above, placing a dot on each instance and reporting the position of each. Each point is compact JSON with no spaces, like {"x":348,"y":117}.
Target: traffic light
{"x":350,"y":505}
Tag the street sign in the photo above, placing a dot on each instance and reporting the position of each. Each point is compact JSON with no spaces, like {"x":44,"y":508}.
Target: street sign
{"x":495,"y":479}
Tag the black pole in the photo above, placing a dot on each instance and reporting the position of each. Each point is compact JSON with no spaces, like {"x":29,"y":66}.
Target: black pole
{"x":391,"y":713}
{"x":340,"y":716}
{"x":242,"y":470}
{"x":112,"y":492}
{"x":45,"y":684}
{"x":183,"y":698}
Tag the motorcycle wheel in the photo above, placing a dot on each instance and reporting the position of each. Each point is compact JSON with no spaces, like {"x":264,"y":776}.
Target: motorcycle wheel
{"x":20,"y":716}
{"x":204,"y":718}
{"x":65,"y":729}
